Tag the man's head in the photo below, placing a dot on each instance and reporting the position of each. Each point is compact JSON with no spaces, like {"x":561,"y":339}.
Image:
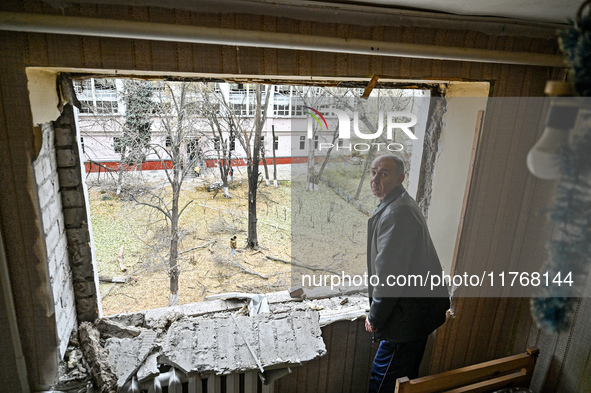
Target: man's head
{"x":387,"y":173}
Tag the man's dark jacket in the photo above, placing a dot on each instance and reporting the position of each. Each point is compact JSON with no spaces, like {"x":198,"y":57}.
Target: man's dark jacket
{"x":398,"y":243}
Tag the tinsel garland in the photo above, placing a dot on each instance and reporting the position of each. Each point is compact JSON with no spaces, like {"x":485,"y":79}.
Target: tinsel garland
{"x":554,"y":308}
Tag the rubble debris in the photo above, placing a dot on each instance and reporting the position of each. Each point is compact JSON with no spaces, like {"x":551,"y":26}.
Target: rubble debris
{"x":127,"y":355}
{"x":100,"y":368}
{"x":111,"y":328}
{"x":214,"y":343}
{"x":205,"y":338}
{"x":149,"y":368}
{"x":137,"y":319}
{"x":297,"y":293}
{"x":257,"y":303}
{"x":166,"y":319}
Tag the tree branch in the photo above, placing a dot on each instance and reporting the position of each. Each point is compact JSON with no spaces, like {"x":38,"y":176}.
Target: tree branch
{"x":166,"y":214}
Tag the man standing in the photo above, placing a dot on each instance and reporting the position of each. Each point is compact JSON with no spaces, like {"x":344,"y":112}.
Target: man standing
{"x":233,"y":245}
{"x":402,"y":313}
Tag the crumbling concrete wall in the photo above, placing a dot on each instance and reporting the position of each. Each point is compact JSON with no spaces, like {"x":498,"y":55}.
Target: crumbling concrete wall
{"x":54,"y":230}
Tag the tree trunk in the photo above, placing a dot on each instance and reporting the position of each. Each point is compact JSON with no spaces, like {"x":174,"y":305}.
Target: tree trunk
{"x":253,"y":176}
{"x":174,"y":244}
{"x":334,"y":139}
{"x":265,"y":165}
{"x":368,"y":161}
{"x":174,"y":221}
{"x":253,"y":171}
{"x":274,"y":159}
{"x":311,"y":180}
{"x":121,"y":171}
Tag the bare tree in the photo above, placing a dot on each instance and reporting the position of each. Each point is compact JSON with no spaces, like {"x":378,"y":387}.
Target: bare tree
{"x":225,"y":118}
{"x":223,"y":124}
{"x":252,"y":160}
{"x":315,"y":97}
{"x":176,"y":108}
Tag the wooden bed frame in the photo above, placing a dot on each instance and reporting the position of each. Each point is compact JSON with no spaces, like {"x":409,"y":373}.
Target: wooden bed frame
{"x":510,"y":371}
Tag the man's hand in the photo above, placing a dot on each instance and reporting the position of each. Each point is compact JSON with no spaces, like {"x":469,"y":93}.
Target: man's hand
{"x":369,"y":327}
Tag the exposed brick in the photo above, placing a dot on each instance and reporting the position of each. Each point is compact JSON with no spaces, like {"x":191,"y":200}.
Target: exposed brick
{"x":87,"y":309}
{"x":47,"y":165}
{"x":52,"y":238}
{"x":69,"y":177}
{"x":64,"y":137}
{"x":48,"y":194}
{"x":45,"y":193}
{"x":80,"y":255}
{"x":66,"y":158}
{"x":78,"y":235}
{"x":60,"y":221}
{"x":74,"y":216}
{"x":51,"y":266}
{"x":80,"y":274}
{"x":61,"y":252}
{"x":72,"y":198}
{"x":46,"y":219}
{"x":59,"y":281}
{"x":84,"y":289}
{"x":39,"y":175}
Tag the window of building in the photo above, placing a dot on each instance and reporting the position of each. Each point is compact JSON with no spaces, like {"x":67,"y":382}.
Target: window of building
{"x":217,"y":143}
{"x":281,"y":108}
{"x":297,"y":108}
{"x":192,"y":149}
{"x":97,"y":96}
{"x":168,"y":142}
{"x":276,"y":143}
{"x":340,"y":142}
{"x":86,"y":106}
{"x":232,"y":142}
{"x":106,"y":107}
{"x":302,"y":142}
{"x":82,"y":145}
{"x":281,"y":101}
{"x":239,"y":109}
{"x":316,"y":142}
{"x":238,"y":87}
{"x":117,"y":145}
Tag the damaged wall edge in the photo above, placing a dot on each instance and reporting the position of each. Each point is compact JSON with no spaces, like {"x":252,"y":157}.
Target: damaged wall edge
{"x":431,"y":148}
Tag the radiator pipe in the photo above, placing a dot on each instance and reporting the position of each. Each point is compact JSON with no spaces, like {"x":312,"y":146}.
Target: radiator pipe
{"x":72,"y":25}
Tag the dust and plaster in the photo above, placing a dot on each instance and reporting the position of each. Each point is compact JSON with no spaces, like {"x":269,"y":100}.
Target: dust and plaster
{"x":43,"y":95}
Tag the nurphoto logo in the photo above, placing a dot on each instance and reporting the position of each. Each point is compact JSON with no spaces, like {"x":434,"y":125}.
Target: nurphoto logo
{"x":344,"y":131}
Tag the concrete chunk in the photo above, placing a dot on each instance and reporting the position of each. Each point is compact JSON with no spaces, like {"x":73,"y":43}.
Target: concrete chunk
{"x":216,"y":343}
{"x":148,"y":369}
{"x":128,"y":354}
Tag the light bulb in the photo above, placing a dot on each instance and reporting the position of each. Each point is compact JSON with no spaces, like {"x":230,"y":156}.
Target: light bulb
{"x":542,"y":159}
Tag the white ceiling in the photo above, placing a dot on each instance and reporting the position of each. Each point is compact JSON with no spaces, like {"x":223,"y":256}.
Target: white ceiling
{"x":536,"y":11}
{"x":557,"y":11}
